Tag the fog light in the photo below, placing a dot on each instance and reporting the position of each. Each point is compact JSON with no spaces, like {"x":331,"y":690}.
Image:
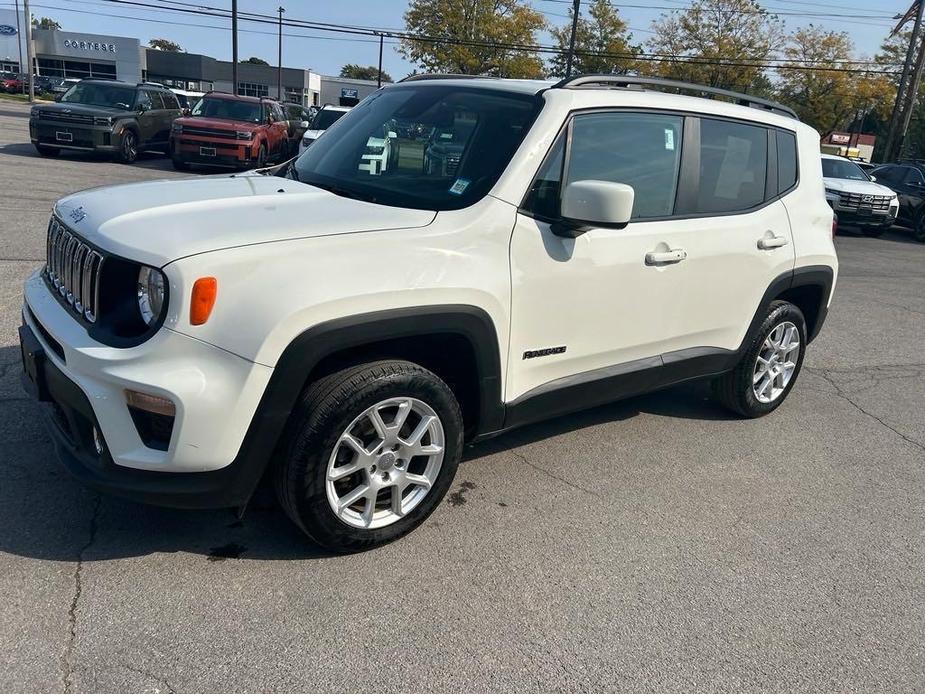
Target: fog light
{"x":150,"y":403}
{"x":98,"y":441}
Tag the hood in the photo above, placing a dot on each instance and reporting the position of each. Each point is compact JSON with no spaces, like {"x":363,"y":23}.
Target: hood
{"x":86,"y":109}
{"x":312,"y":134}
{"x":156,"y":222}
{"x":844,"y":185}
{"x":217,"y":123}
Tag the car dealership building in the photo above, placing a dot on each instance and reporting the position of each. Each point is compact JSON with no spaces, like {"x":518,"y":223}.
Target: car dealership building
{"x":79,"y":55}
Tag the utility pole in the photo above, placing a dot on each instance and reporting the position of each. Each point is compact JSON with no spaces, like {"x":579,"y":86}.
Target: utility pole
{"x":234,"y":46}
{"x":379,"y":76}
{"x":910,"y":95}
{"x":889,"y":151}
{"x":279,"y":71}
{"x":28,"y":70}
{"x":19,"y":40}
{"x":576,"y":6}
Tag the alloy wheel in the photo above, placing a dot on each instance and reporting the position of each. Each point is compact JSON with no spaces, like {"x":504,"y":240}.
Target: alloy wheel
{"x":385,"y":463}
{"x":776,"y":362}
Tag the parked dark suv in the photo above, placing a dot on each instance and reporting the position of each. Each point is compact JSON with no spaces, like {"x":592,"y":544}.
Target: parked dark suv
{"x":907,"y":178}
{"x":105,"y":116}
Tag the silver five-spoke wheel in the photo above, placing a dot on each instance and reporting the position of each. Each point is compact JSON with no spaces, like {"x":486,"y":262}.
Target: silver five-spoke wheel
{"x":385,"y":463}
{"x":776,"y":362}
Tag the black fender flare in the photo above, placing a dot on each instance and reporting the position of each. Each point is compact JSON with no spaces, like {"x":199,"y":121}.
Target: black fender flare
{"x":306,"y":351}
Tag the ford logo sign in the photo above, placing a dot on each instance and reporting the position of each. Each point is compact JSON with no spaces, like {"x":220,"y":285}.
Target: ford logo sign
{"x":7,"y":30}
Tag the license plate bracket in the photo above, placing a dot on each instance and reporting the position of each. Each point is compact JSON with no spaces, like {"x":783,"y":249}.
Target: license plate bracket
{"x":61,"y":136}
{"x":207,"y":151}
{"x":33,"y":363}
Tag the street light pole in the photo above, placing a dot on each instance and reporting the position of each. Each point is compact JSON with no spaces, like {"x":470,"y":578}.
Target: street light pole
{"x":379,"y":76}
{"x":571,"y":42}
{"x":279,"y":70}
{"x":19,"y":39}
{"x":234,"y":46}
{"x":28,"y":70}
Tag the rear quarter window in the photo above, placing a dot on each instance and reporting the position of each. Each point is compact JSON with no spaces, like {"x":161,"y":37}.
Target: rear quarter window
{"x":786,"y":161}
{"x":733,"y":166}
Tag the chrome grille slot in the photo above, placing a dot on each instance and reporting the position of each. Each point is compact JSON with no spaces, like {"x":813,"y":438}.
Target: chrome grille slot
{"x":73,"y":270}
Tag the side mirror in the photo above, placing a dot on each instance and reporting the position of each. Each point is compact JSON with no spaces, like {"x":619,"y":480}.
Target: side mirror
{"x":392,"y":134}
{"x":303,"y":124}
{"x":587,"y":204}
{"x":58,"y":97}
{"x":141,"y":108}
{"x":873,"y":179}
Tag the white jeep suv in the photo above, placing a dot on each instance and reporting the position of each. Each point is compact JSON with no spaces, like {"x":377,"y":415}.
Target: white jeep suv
{"x":347,"y":332}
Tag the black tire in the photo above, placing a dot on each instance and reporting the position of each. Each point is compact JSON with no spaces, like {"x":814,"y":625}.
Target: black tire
{"x":326,"y":410}
{"x":735,"y":389}
{"x":873,"y":232}
{"x":46,"y":151}
{"x":128,"y":147}
{"x":918,"y":230}
{"x":261,"y":156}
{"x":179,"y":164}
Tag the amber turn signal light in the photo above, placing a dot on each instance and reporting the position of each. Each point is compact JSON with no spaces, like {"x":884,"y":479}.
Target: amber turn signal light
{"x":205,"y":290}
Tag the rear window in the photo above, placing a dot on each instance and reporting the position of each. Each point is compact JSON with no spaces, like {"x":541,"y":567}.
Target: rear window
{"x":733,"y":166}
{"x":786,"y":161}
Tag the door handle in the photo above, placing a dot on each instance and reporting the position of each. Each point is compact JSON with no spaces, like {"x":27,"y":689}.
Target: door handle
{"x":675,"y":255}
{"x":768,"y":243}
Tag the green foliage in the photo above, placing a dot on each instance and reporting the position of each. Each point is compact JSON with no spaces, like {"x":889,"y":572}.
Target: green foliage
{"x":45,"y":23}
{"x":358,"y":72}
{"x":491,"y":21}
{"x":727,"y":41}
{"x":253,"y":60}
{"x":604,"y":33}
{"x":165,"y":45}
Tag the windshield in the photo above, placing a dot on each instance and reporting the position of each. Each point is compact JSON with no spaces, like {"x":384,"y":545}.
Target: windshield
{"x":100,"y":94}
{"x":326,"y":118}
{"x":228,"y":109}
{"x":835,"y":168}
{"x":424,"y":147}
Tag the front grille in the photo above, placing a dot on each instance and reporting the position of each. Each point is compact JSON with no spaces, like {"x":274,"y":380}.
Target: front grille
{"x":66,"y":117}
{"x":210,"y":132}
{"x":73,"y":270}
{"x":879,"y":203}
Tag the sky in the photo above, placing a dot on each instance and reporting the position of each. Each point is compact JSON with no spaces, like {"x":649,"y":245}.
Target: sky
{"x":325,"y":53}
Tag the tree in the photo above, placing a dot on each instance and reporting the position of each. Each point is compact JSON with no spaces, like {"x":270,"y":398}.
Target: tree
{"x":830,"y":96}
{"x":253,"y":60}
{"x":467,"y":23}
{"x":165,"y":45}
{"x":45,"y":23}
{"x":720,"y":43}
{"x":605,"y":32}
{"x":357,"y":72}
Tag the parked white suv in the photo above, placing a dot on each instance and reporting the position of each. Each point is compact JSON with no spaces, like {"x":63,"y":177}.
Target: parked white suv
{"x":348,"y":331}
{"x":324,"y":119}
{"x":856,"y":198}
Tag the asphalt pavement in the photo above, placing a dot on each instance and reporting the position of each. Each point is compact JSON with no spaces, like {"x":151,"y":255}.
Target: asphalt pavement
{"x":654,"y":545}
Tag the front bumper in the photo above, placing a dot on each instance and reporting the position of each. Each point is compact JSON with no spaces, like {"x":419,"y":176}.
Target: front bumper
{"x":99,"y":138}
{"x":225,"y":153}
{"x":215,"y":392}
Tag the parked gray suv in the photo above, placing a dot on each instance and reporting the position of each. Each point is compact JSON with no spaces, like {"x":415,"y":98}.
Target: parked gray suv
{"x":109,"y":116}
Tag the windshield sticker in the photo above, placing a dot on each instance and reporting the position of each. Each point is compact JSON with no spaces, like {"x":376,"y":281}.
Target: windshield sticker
{"x":459,"y":187}
{"x":669,"y":139}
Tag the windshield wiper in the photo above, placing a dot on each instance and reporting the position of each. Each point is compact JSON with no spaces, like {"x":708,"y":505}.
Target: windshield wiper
{"x":342,"y":192}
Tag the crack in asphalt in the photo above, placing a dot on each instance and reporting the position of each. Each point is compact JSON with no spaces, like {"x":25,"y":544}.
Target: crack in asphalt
{"x":157,"y":678}
{"x":900,"y":306}
{"x":566,"y":482}
{"x":827,"y":377}
{"x":67,"y":666}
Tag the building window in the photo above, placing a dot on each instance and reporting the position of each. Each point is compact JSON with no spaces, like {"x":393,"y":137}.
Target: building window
{"x":6,"y":66}
{"x":295,"y":95}
{"x":253,"y":89}
{"x":51,"y":67}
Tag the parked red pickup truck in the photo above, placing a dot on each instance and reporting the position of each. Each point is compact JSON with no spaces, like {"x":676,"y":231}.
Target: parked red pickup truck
{"x":226,"y":130}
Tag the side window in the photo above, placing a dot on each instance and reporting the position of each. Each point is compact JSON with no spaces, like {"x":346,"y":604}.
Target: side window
{"x":642,"y":150}
{"x":143,"y":99}
{"x":886,"y":174}
{"x":733,"y":166}
{"x":543,"y":198}
{"x":156,"y":100}
{"x":914,"y":176}
{"x":170,"y":100}
{"x":786,"y":161}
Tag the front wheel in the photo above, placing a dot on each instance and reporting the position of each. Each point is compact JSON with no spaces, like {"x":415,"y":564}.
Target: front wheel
{"x":261,"y":157}
{"x":128,"y":147}
{"x":918,"y":230}
{"x":370,"y":452}
{"x":768,"y":370}
{"x":179,"y":164}
{"x":46,"y":151}
{"x":873,"y":232}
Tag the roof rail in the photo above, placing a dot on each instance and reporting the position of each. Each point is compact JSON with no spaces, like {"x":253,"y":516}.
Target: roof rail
{"x":629,"y":82}
{"x":440,"y":76}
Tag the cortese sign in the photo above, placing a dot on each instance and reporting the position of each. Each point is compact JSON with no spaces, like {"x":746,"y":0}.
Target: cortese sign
{"x":90,"y":46}
{"x":7,"y":30}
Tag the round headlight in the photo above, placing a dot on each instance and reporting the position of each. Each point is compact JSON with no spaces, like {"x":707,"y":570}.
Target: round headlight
{"x":151,"y":291}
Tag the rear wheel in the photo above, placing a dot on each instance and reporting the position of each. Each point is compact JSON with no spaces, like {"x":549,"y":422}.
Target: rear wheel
{"x":918,"y":230}
{"x":769,"y":368}
{"x":369,"y":454}
{"x":47,"y":151}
